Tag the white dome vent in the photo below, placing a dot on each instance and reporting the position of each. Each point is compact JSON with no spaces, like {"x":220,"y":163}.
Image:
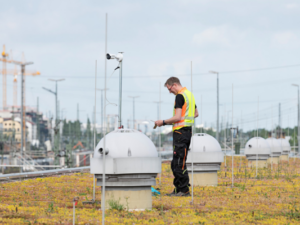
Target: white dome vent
{"x":275,"y":146}
{"x":257,"y":146}
{"x":126,"y":143}
{"x":257,"y":151}
{"x":131,"y":166}
{"x":205,"y":143}
{"x":206,"y":155}
{"x":285,"y":146}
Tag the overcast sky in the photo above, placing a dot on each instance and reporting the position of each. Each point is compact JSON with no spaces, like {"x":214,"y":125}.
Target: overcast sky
{"x":159,"y":39}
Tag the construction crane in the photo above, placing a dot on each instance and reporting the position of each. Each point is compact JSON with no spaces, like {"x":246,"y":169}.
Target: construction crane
{"x":4,"y":60}
{"x":15,"y":73}
{"x":4,"y":73}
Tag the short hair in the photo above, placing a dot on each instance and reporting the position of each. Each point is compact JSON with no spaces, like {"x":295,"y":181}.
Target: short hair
{"x":172,"y":80}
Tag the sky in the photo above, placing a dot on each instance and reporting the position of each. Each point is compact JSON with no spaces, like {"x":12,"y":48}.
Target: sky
{"x":254,"y":45}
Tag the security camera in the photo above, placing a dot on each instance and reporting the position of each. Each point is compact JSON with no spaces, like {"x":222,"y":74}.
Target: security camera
{"x":118,"y":57}
{"x":101,"y":151}
{"x":110,"y":56}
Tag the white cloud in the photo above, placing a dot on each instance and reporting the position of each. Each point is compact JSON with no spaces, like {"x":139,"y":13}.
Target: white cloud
{"x":285,"y":39}
{"x":292,"y":6}
{"x":222,"y":35}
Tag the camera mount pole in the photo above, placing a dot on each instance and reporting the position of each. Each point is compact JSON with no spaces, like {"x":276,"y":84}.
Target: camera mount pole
{"x":120,"y":93}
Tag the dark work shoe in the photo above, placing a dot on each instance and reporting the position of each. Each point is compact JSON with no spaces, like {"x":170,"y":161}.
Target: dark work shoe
{"x":181,"y":194}
{"x":171,"y":194}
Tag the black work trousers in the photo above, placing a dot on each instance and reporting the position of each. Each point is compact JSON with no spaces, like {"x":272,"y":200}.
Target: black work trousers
{"x":181,"y":144}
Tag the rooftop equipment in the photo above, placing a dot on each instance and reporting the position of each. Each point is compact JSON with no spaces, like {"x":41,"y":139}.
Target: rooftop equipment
{"x":276,"y":150}
{"x":131,"y":166}
{"x":286,"y":149}
{"x":206,"y":156}
{"x":257,"y":151}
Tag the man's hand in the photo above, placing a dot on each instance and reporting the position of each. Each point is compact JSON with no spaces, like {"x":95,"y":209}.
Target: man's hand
{"x":159,"y":123}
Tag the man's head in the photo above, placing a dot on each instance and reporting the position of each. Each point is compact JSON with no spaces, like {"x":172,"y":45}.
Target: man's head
{"x":173,"y":84}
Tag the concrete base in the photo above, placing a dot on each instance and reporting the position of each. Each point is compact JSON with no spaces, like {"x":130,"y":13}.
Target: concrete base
{"x":260,"y":163}
{"x":135,"y":200}
{"x":204,"y":179}
{"x":273,"y":160}
{"x":284,"y":158}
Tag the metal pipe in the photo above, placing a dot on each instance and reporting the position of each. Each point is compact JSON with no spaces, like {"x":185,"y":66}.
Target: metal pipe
{"x":42,"y":173}
{"x":48,"y":166}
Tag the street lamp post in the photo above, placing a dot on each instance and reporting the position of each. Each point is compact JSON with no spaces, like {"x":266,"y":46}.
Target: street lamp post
{"x":217,"y":136}
{"x":298,"y":136}
{"x":56,"y":114}
{"x":133,"y":98}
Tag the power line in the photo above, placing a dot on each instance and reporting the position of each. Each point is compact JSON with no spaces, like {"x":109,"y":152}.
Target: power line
{"x":196,"y":74}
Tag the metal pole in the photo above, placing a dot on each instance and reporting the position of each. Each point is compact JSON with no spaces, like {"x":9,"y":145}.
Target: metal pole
{"x":272,"y":140}
{"x":298,"y":118}
{"x":56,"y":138}
{"x":56,"y":120}
{"x":193,"y":108}
{"x":218,"y":106}
{"x":257,"y":134}
{"x":120,"y":94}
{"x":298,"y":135}
{"x":159,"y":130}
{"x":226,"y":118}
{"x":241,"y":137}
{"x":201,"y":116}
{"x":73,"y":212}
{"x":232,"y":137}
{"x":102,"y":111}
{"x":56,"y":103}
{"x":22,"y":111}
{"x":104,"y":141}
{"x":95,"y":109}
{"x":294,"y":144}
{"x":23,"y":119}
{"x":133,"y":108}
{"x":217,"y":133}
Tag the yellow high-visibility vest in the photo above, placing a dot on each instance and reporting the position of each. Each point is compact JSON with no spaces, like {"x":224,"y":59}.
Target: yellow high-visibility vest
{"x":188,"y":110}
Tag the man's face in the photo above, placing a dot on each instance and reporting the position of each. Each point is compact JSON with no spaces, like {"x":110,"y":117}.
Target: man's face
{"x":171,"y":89}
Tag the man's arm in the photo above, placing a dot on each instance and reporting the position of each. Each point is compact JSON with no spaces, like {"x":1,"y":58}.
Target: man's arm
{"x":172,"y":120}
{"x":196,"y":113}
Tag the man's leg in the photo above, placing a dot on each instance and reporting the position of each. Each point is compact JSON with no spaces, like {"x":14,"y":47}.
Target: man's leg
{"x":182,"y":177}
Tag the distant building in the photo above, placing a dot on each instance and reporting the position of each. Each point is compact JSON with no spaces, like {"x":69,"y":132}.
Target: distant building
{"x":12,"y":129}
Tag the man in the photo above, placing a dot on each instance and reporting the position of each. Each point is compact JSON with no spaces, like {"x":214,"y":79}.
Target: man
{"x":184,"y":112}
